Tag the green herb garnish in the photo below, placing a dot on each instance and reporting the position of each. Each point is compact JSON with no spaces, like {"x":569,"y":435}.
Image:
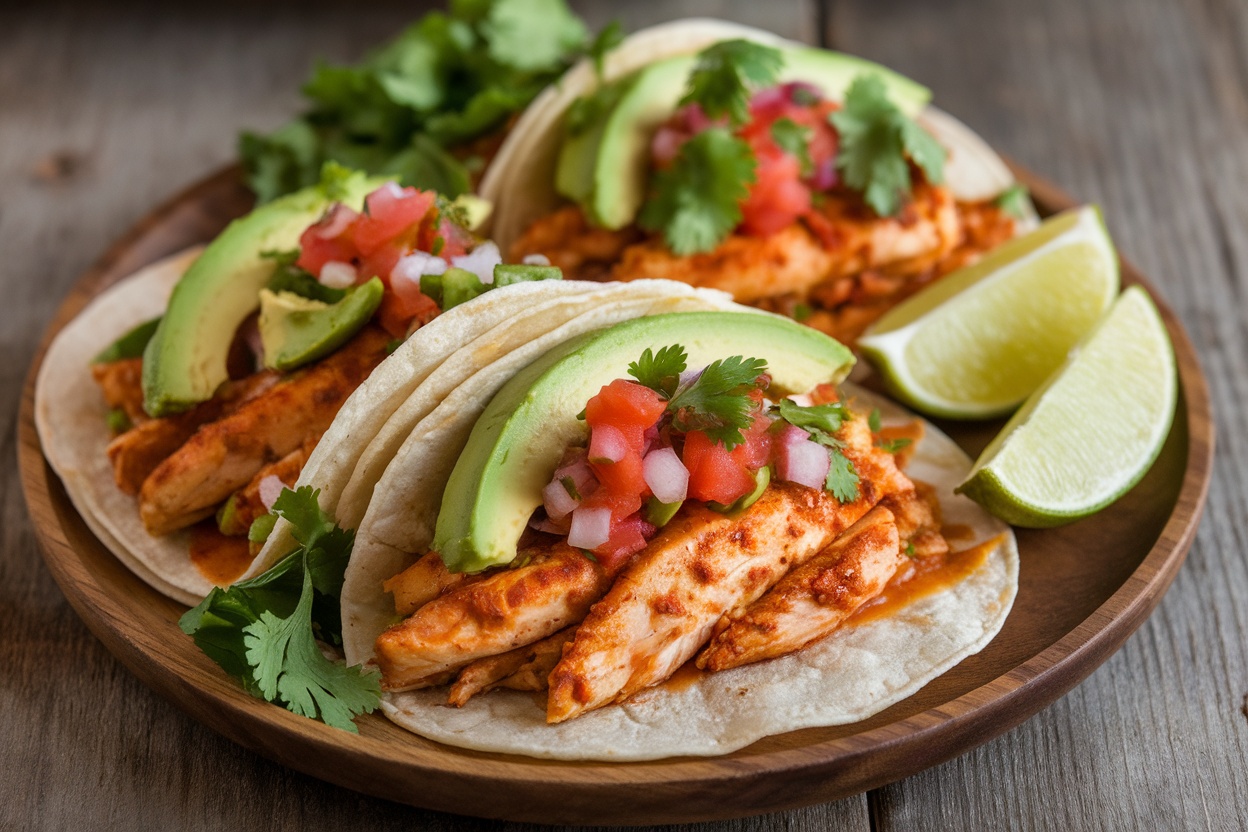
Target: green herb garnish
{"x":909,"y":550}
{"x":717,"y":401}
{"x":696,"y":202}
{"x":725,"y":74}
{"x":118,"y":421}
{"x":660,"y":372}
{"x":793,"y":139}
{"x":1015,"y":201}
{"x":263,"y":631}
{"x":822,"y":421}
{"x":875,"y":140}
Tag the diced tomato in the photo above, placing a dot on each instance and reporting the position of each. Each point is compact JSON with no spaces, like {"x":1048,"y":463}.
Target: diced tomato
{"x":777,"y":198}
{"x":392,"y":212}
{"x":396,"y":313}
{"x":628,"y":406}
{"x":628,"y":537}
{"x":714,"y":474}
{"x":624,"y":479}
{"x":755,"y":451}
{"x":456,"y":240}
{"x":380,"y":263}
{"x":329,"y":239}
{"x":622,"y":504}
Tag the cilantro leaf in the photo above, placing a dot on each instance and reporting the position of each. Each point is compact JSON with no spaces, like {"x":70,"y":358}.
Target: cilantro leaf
{"x":793,"y":139}
{"x":661,"y":372}
{"x":1015,"y":201}
{"x":909,"y":550}
{"x":827,"y":418}
{"x":262,"y":631}
{"x":892,"y":446}
{"x":717,"y":401}
{"x":726,"y":72}
{"x":875,"y":420}
{"x":875,"y":139}
{"x":611,"y":36}
{"x":842,"y":480}
{"x":697,"y":201}
{"x":532,"y":34}
{"x":289,"y":668}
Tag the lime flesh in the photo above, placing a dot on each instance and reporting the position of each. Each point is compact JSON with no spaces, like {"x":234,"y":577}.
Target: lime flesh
{"x":978,"y":342}
{"x":1092,"y":431}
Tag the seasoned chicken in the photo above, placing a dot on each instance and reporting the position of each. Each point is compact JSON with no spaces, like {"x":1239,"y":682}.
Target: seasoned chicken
{"x":505,"y":610}
{"x":525,"y":668}
{"x":122,"y":385}
{"x":245,"y":505}
{"x":423,"y":581}
{"x":918,"y":521}
{"x":662,"y":607}
{"x":136,"y":453}
{"x":813,"y":599}
{"x":224,"y":455}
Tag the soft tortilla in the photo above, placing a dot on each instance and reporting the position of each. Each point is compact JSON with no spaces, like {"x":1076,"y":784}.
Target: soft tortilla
{"x":520,"y":183}
{"x":854,"y":673}
{"x":401,"y":519}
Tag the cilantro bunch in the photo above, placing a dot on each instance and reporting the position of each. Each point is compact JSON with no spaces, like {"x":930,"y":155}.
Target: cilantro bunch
{"x":448,"y":79}
{"x":264,"y":631}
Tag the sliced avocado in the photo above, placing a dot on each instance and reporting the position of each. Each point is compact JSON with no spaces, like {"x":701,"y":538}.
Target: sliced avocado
{"x":296,"y":330}
{"x":506,"y":274}
{"x":521,"y":436}
{"x":658,"y":513}
{"x":130,"y":345}
{"x":762,"y":479}
{"x":605,"y":167}
{"x":184,"y":363}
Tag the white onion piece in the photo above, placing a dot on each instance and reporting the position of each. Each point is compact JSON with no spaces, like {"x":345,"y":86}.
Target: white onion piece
{"x":607,"y":444}
{"x":582,"y":477}
{"x":801,"y":460}
{"x":536,"y":260}
{"x":480,"y":261}
{"x":337,"y":275}
{"x":559,"y":503}
{"x":270,"y":489}
{"x":416,"y":265}
{"x":803,"y":400}
{"x":591,"y":527}
{"x":339,"y":218}
{"x":666,"y":475}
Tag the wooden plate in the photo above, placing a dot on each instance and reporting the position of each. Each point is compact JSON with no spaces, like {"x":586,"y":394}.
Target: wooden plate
{"x":1084,"y":589}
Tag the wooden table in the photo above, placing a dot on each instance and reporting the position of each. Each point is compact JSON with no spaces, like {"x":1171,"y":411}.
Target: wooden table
{"x":1138,"y":105}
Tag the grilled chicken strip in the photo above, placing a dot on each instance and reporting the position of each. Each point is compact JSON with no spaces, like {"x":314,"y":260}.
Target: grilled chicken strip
{"x":918,"y":521}
{"x":224,"y":455}
{"x":423,"y":581}
{"x":245,"y":505}
{"x":505,"y":610}
{"x":813,"y":599}
{"x":136,"y":453}
{"x":525,"y":668}
{"x":664,"y":604}
{"x":122,"y":385}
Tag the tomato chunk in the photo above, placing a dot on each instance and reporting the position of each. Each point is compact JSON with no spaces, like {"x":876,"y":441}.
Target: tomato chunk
{"x":392,"y":212}
{"x":714,"y":474}
{"x":628,"y":406}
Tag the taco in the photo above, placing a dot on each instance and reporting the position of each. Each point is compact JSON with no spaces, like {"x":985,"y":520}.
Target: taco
{"x":806,"y":182}
{"x":218,"y":406}
{"x":683,"y":494}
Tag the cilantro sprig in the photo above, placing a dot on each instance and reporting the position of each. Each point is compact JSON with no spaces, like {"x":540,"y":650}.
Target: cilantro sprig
{"x":444,"y":81}
{"x":876,"y":138}
{"x":822,"y":422}
{"x":726,"y":73}
{"x":697,"y":201}
{"x":263,"y":631}
{"x":660,"y":371}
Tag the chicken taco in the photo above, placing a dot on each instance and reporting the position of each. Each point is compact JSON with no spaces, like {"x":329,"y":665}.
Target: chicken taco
{"x":803,"y":181}
{"x":337,"y":301}
{"x":681,"y":536}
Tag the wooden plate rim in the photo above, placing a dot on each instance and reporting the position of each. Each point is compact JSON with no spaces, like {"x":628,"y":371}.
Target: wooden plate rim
{"x":783,"y":778}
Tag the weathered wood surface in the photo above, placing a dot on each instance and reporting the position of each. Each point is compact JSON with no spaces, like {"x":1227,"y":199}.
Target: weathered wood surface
{"x":1138,"y":106}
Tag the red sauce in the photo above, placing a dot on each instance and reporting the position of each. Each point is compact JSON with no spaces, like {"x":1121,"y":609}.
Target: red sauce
{"x":219,"y":558}
{"x":684,"y":677}
{"x":921,"y":578}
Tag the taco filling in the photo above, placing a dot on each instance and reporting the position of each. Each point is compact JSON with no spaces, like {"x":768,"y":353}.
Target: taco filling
{"x":705,"y":517}
{"x":826,"y":204}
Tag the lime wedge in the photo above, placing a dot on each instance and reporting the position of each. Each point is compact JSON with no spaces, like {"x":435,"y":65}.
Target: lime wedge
{"x":1092,"y":431}
{"x":977,"y":342}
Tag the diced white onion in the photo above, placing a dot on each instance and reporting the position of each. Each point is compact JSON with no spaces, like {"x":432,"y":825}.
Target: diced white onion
{"x":480,"y":261}
{"x":801,"y":460}
{"x":802,"y":400}
{"x":559,"y":503}
{"x":414,"y":266}
{"x":666,"y":475}
{"x":270,"y":489}
{"x":536,"y":260}
{"x":607,"y":444}
{"x":591,"y":527}
{"x":337,"y":275}
{"x":339,"y":218}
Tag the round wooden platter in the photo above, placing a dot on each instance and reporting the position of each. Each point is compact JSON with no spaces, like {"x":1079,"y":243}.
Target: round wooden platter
{"x":1083,"y":590}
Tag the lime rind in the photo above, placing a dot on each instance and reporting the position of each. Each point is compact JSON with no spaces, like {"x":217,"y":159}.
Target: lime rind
{"x":1092,"y":432}
{"x":977,"y":309}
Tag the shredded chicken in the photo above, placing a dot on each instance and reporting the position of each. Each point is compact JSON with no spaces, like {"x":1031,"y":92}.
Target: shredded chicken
{"x":245,"y":505}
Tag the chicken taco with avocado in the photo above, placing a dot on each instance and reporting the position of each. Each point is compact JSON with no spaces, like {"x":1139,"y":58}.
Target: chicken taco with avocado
{"x":803,"y":181}
{"x":233,"y":362}
{"x":682,"y":536}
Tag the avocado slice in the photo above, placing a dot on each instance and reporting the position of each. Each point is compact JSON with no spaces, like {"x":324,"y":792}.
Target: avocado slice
{"x":524,"y":430}
{"x":604,"y":167}
{"x":296,"y":330}
{"x":184,"y":362}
